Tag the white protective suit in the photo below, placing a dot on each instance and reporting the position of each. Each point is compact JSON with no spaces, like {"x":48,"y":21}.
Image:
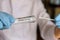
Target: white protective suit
{"x":26,"y":31}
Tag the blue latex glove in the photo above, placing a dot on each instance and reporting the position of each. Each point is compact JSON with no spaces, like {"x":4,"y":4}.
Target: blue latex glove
{"x":57,"y":21}
{"x":6,"y":20}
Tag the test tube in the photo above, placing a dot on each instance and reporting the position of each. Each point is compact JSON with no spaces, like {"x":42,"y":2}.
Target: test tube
{"x":27,"y":19}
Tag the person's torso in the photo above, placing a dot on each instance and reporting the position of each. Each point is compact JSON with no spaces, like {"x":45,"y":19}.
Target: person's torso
{"x":21,"y":8}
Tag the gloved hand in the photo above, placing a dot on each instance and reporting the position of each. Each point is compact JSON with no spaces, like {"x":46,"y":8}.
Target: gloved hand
{"x":6,"y":20}
{"x":57,"y":21}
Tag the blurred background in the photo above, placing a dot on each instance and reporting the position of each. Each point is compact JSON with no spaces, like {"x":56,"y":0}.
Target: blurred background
{"x":53,"y":9}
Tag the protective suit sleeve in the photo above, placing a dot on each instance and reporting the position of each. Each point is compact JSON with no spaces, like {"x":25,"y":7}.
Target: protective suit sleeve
{"x":46,"y":27}
{"x":5,"y":6}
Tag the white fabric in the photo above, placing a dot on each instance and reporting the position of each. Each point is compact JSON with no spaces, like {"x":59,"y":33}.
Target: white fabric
{"x":26,"y":31}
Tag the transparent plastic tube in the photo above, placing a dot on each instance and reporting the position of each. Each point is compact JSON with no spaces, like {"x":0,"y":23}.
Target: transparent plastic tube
{"x":30,"y":19}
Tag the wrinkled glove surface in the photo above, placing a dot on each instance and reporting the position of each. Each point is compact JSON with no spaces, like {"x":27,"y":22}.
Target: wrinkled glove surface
{"x":6,"y":20}
{"x":57,"y":21}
